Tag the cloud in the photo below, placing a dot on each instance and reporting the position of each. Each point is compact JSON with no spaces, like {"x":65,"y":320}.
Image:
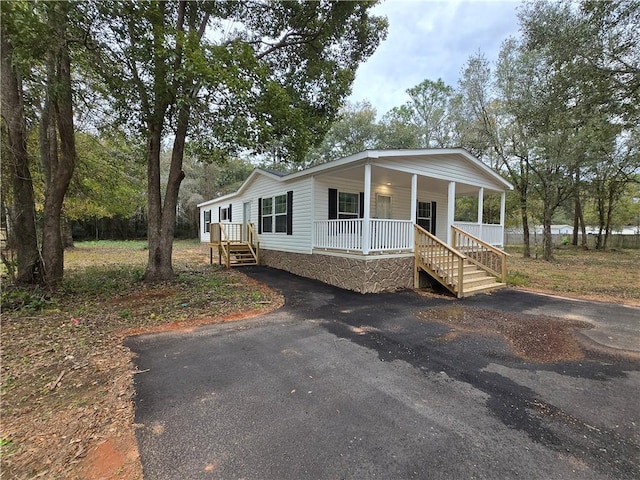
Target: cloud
{"x":430,"y":40}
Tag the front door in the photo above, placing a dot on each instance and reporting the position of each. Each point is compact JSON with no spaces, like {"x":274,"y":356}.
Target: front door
{"x":246,"y":215}
{"x":383,"y":206}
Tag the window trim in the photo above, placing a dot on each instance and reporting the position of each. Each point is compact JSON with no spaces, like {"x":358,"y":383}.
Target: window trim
{"x":342,"y":215}
{"x":280,"y":209}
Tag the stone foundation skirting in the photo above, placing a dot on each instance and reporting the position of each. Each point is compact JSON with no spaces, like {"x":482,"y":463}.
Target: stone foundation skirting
{"x":366,"y":275}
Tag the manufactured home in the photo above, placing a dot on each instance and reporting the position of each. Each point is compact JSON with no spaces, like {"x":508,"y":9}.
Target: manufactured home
{"x":375,"y":221}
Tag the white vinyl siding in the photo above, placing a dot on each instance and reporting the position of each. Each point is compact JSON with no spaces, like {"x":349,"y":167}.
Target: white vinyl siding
{"x":401,"y":197}
{"x":263,"y":187}
{"x":444,"y":167}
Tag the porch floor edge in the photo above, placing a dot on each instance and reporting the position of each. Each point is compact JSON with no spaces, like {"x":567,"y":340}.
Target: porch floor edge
{"x":359,"y":255}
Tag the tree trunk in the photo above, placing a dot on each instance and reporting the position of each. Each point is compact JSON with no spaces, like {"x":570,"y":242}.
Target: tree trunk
{"x":578,"y":216}
{"x":601,"y":222}
{"x":583,"y":227}
{"x":576,"y":221}
{"x":24,"y":213}
{"x":610,"y":207}
{"x":162,"y":219}
{"x":67,"y":234}
{"x":58,"y":167}
{"x":525,"y":225}
{"x":156,"y":265}
{"x":547,"y":239}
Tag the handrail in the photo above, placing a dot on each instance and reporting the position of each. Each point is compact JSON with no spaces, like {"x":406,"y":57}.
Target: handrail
{"x":480,"y":253}
{"x":446,"y":264}
{"x":252,"y":240}
{"x":224,"y":245}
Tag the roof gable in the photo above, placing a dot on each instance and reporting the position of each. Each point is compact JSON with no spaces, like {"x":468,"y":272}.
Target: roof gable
{"x":363,"y":157}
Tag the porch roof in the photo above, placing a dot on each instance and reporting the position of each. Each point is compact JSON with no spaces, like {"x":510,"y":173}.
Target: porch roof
{"x":367,"y":156}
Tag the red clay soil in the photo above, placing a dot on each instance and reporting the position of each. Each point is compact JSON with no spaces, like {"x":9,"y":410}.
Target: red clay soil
{"x":114,"y":458}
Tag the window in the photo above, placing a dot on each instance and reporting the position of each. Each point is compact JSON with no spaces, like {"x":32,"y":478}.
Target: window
{"x":224,"y":214}
{"x":275,"y":214}
{"x":267,"y":215}
{"x":207,"y":220}
{"x":281,"y":213}
{"x":424,"y":215}
{"x":348,"y":205}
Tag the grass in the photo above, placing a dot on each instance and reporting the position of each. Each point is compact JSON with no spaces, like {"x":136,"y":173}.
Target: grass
{"x":611,"y":276}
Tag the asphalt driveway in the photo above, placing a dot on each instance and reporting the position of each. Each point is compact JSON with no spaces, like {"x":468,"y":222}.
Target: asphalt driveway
{"x":342,"y":385}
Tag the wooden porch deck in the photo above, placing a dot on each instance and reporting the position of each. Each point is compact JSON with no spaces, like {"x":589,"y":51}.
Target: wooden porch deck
{"x":235,"y":244}
{"x":471,"y":266}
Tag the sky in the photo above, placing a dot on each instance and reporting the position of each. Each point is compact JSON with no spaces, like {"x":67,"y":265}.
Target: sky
{"x":430,"y":39}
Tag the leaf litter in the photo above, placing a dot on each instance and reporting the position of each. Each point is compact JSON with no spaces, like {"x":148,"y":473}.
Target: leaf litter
{"x":532,"y":338}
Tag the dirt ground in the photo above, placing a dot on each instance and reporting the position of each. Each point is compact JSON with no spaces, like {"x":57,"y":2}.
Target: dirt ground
{"x":67,"y":380}
{"x":533,"y":338}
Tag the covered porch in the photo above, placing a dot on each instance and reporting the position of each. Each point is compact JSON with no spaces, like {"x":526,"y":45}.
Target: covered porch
{"x":376,"y":207}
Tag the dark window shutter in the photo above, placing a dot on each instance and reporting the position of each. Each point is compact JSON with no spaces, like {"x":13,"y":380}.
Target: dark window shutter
{"x":259,"y":215}
{"x":207,"y":220}
{"x":290,"y":212}
{"x":219,"y":214}
{"x":361,"y":204}
{"x":229,"y":214}
{"x":333,"y":204}
{"x":433,"y":218}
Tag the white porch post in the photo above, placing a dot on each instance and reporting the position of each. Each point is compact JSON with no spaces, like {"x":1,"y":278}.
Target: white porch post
{"x":480,"y":210}
{"x":503,"y":203}
{"x":313,"y":214}
{"x":451,"y":208}
{"x":366,"y":230}
{"x":414,"y":203}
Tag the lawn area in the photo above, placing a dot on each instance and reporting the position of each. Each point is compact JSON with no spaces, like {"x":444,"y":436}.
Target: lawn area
{"x":611,"y":276}
{"x":67,"y":380}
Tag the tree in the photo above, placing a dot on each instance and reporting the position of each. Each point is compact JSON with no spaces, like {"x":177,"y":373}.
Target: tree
{"x":396,"y":129}
{"x":355,"y":130}
{"x":108,"y":180}
{"x":37,"y":41}
{"x":23,"y":215}
{"x":425,"y":121}
{"x":265,"y":76}
{"x":430,"y":106}
{"x":491,"y":123}
{"x":591,"y":63}
{"x":610,"y":176}
{"x":205,"y":180}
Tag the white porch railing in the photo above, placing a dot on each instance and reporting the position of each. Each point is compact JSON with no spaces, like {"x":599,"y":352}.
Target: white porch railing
{"x":384,"y":235}
{"x":390,"y":235}
{"x":338,"y":234}
{"x":489,"y":233}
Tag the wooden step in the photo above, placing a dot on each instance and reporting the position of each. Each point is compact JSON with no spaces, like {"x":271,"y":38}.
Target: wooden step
{"x":483,"y":289}
{"x":240,"y":254}
{"x":475,"y":280}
